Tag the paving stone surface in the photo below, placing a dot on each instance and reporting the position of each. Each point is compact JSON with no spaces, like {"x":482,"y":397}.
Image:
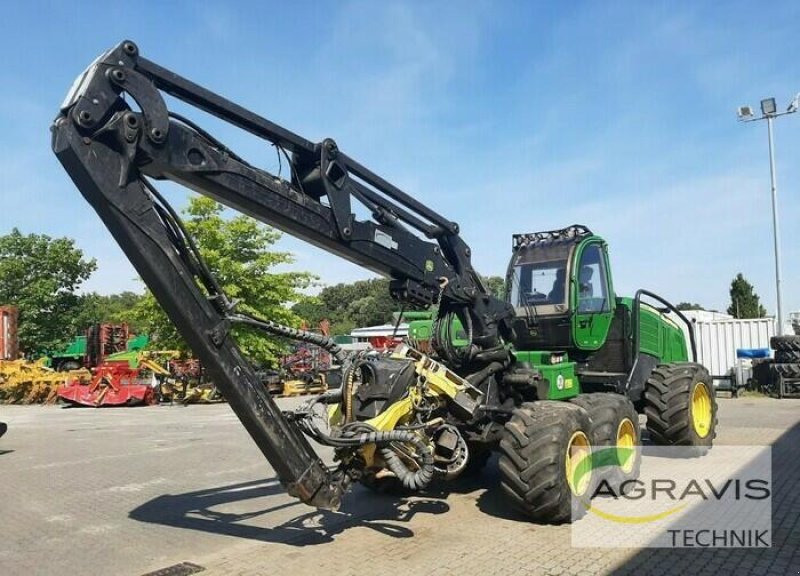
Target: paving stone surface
{"x":131,"y":491}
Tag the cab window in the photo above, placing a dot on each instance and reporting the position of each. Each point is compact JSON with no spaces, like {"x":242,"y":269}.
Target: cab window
{"x":592,"y":284}
{"x":538,"y":283}
{"x":538,"y":277}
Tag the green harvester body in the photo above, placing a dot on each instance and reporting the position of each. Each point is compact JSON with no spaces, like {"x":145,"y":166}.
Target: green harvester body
{"x":570,"y":325}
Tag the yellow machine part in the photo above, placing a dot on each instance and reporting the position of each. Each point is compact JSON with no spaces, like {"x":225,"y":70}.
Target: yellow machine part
{"x":23,"y":382}
{"x":205,"y":395}
{"x":301,"y":387}
{"x":153,"y":367}
{"x":433,"y":381}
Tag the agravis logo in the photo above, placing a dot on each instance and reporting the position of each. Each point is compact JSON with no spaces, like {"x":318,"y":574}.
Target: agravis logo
{"x":678,"y":500}
{"x":657,"y":489}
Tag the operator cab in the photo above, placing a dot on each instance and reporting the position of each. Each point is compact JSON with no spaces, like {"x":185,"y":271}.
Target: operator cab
{"x":558,"y":283}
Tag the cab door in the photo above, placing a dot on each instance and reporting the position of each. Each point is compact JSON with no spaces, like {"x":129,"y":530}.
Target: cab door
{"x":591,"y":295}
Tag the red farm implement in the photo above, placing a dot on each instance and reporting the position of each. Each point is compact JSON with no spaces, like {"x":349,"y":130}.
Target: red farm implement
{"x":114,"y":383}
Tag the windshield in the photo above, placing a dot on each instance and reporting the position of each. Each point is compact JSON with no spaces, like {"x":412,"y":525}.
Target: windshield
{"x":537,"y":283}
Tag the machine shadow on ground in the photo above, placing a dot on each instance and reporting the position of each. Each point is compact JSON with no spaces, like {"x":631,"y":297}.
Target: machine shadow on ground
{"x":239,"y":510}
{"x":210,"y":511}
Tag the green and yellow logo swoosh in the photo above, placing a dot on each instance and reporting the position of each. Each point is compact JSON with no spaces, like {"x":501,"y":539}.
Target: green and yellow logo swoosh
{"x":608,"y":457}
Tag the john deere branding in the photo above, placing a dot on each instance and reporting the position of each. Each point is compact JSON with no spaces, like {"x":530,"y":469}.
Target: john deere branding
{"x":720,"y":500}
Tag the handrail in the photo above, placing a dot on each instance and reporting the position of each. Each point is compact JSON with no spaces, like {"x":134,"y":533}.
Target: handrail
{"x":637,"y":302}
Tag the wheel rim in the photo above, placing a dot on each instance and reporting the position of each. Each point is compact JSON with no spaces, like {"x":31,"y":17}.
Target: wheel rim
{"x":701,"y":410}
{"x":579,"y":463}
{"x":626,"y":445}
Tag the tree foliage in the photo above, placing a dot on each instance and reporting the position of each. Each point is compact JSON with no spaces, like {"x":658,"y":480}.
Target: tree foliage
{"x":689,"y":306}
{"x":745,"y":303}
{"x":496,"y":285}
{"x":238,"y":253}
{"x":348,"y":306}
{"x":94,"y":308}
{"x":40,"y":275}
{"x":362,"y":303}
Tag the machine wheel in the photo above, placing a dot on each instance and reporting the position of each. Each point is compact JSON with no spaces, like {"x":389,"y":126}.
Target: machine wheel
{"x":785,"y":344}
{"x":790,"y":371}
{"x":787,"y":357}
{"x":614,"y":424}
{"x":680,"y":406}
{"x":68,"y":365}
{"x":787,"y":349}
{"x":545,"y":459}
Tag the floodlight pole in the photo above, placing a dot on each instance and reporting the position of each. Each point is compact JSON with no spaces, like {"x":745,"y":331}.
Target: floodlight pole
{"x":775,"y":227}
{"x":769,"y":114}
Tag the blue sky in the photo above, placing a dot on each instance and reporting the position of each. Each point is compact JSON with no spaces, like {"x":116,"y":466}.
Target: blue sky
{"x":506,"y":117}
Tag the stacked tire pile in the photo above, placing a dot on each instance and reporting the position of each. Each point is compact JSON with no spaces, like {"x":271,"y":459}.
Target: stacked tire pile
{"x":785,"y":370}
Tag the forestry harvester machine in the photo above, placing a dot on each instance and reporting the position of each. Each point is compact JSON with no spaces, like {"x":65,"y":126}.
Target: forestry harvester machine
{"x":541,"y":376}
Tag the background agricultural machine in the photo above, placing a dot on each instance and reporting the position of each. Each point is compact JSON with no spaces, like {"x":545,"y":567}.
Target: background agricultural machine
{"x":9,"y":342}
{"x":112,"y":355}
{"x":304,"y":370}
{"x":135,"y":378}
{"x":92,"y":348}
{"x":558,"y":366}
{"x":114,"y":383}
{"x":24,"y":382}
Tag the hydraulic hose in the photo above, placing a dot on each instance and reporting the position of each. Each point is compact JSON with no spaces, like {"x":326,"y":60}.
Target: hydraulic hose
{"x":411,"y":480}
{"x":478,"y":377}
{"x":288,"y":332}
{"x":191,"y":255}
{"x":357,"y":434}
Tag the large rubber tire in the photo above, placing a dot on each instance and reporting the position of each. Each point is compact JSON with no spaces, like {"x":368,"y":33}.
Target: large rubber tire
{"x":669,"y":394}
{"x":785,"y":343}
{"x":787,"y":357}
{"x":533,"y":459}
{"x":788,"y":371}
{"x":614,"y":421}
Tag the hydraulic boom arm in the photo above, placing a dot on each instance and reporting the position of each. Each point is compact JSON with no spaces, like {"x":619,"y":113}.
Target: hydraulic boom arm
{"x":112,"y":150}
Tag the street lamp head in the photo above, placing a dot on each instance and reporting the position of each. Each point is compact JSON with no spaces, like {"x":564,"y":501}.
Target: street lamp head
{"x":768,"y":107}
{"x":744,"y":112}
{"x":794,"y":104}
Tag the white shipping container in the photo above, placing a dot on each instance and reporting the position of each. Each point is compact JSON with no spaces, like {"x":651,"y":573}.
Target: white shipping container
{"x":718,"y":340}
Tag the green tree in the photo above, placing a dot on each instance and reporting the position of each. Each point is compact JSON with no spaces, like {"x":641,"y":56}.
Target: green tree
{"x":689,"y":306}
{"x":349,"y":305}
{"x":745,"y":302}
{"x":362,"y":303}
{"x":94,"y":308}
{"x":496,"y":285}
{"x":238,"y":253}
{"x":40,"y":275}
